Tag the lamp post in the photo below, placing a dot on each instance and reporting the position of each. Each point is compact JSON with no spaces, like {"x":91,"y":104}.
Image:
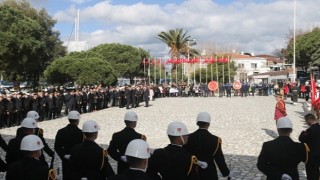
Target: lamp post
{"x":294,"y":42}
{"x":193,"y":43}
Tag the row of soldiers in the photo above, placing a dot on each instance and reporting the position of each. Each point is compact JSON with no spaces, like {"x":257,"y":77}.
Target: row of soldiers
{"x":49,"y":105}
{"x":188,"y":156}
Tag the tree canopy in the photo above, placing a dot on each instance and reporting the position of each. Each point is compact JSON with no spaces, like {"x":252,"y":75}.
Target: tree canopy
{"x":307,"y":48}
{"x":102,"y":64}
{"x":28,"y":42}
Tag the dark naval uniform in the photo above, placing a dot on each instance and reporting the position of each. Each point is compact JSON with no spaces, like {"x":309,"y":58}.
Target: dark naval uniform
{"x":67,"y":138}
{"x":91,"y":161}
{"x":27,"y":168}
{"x":132,"y":174}
{"x":172,"y":163}
{"x":282,"y":156}
{"x":4,"y":146}
{"x":207,"y":147}
{"x":312,"y":137}
{"x":39,"y":132}
{"x":118,"y":145}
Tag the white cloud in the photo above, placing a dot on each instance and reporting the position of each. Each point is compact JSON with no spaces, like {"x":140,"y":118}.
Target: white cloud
{"x":246,"y":25}
{"x":80,"y":1}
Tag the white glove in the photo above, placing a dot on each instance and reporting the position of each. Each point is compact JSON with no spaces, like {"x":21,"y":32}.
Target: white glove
{"x":151,"y":151}
{"x":123,"y":158}
{"x":67,"y":156}
{"x":202,"y":164}
{"x":231,"y":174}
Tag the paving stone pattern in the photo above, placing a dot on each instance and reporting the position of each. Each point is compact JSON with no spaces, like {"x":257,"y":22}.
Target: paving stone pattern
{"x":242,"y":123}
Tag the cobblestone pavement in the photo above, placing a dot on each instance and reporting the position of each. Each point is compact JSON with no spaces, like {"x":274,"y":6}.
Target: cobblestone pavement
{"x":242,"y":123}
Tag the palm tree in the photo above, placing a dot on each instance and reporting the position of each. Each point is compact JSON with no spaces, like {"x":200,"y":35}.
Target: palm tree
{"x":177,"y":40}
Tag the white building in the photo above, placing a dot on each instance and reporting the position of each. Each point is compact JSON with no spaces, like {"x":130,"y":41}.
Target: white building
{"x":77,"y":46}
{"x":248,"y":66}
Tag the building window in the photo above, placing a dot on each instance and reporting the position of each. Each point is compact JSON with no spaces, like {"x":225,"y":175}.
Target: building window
{"x":240,"y":65}
{"x":254,"y":65}
{"x":243,"y":77}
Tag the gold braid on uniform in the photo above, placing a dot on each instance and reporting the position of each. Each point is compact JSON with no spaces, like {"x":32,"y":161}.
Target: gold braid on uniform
{"x":307,"y":152}
{"x":143,"y":137}
{"x":194,"y":160}
{"x":104,"y":154}
{"x":218,"y":144}
{"x":52,"y":174}
{"x":40,"y":132}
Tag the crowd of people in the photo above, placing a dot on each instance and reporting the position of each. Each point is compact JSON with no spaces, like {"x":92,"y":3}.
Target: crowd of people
{"x":193,"y":156}
{"x":57,"y":101}
{"x":188,"y":156}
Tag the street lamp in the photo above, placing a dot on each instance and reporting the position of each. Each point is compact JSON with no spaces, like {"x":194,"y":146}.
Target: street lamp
{"x":193,"y":41}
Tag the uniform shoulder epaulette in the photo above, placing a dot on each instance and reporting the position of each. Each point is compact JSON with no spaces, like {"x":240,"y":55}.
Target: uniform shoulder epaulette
{"x":194,"y":160}
{"x":40,"y":131}
{"x":219,"y":141}
{"x":143,"y":137}
{"x":104,"y":155}
{"x":307,"y":152}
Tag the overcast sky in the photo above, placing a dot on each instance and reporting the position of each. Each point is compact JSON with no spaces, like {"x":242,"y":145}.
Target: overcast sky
{"x":255,"y":26}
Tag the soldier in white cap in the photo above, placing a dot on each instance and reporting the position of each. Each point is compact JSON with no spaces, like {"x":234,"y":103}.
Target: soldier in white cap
{"x":39,"y":132}
{"x":88,"y":159}
{"x":279,"y":158}
{"x":137,"y":155}
{"x":207,"y":148}
{"x":14,"y":154}
{"x":29,"y":167}
{"x":67,"y":138}
{"x":121,"y":139}
{"x":174,"y":161}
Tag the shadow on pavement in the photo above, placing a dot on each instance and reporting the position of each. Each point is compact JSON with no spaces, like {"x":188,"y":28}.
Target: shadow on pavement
{"x":271,"y":133}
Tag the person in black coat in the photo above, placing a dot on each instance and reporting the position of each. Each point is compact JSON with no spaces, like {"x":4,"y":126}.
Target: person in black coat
{"x":174,"y":161}
{"x":146,"y":94}
{"x":312,"y":138}
{"x":137,"y":154}
{"x":88,"y":159}
{"x":128,"y":96}
{"x":39,"y":132}
{"x":280,"y":157}
{"x":66,"y":139}
{"x":14,"y":153}
{"x":29,"y":167}
{"x":121,"y":139}
{"x":207,"y":148}
{"x":4,"y":146}
{"x":2,"y":111}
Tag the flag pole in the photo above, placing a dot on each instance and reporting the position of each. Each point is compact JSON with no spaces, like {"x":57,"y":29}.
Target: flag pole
{"x":217,"y":70}
{"x":207,"y":73}
{"x":223,"y":70}
{"x":144,"y":70}
{"x":211,"y":68}
{"x":155,"y":70}
{"x":200,"y":70}
{"x":194,"y":72}
{"x":229,"y":69}
{"x":149,"y":71}
{"x":160,"y":70}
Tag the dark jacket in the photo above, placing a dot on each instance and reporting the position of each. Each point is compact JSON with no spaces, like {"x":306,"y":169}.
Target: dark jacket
{"x":91,"y":161}
{"x":118,"y":145}
{"x":281,"y":156}
{"x":172,"y":163}
{"x":27,"y":168}
{"x":207,"y":147}
{"x":131,"y":174}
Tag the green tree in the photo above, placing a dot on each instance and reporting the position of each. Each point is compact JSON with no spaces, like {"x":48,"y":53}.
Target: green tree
{"x":102,"y":64}
{"x":307,"y":48}
{"x":178,"y":40}
{"x":28,"y":42}
{"x":85,"y":68}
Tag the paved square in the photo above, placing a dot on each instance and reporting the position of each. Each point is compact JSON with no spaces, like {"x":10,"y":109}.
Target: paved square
{"x":242,"y":123}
